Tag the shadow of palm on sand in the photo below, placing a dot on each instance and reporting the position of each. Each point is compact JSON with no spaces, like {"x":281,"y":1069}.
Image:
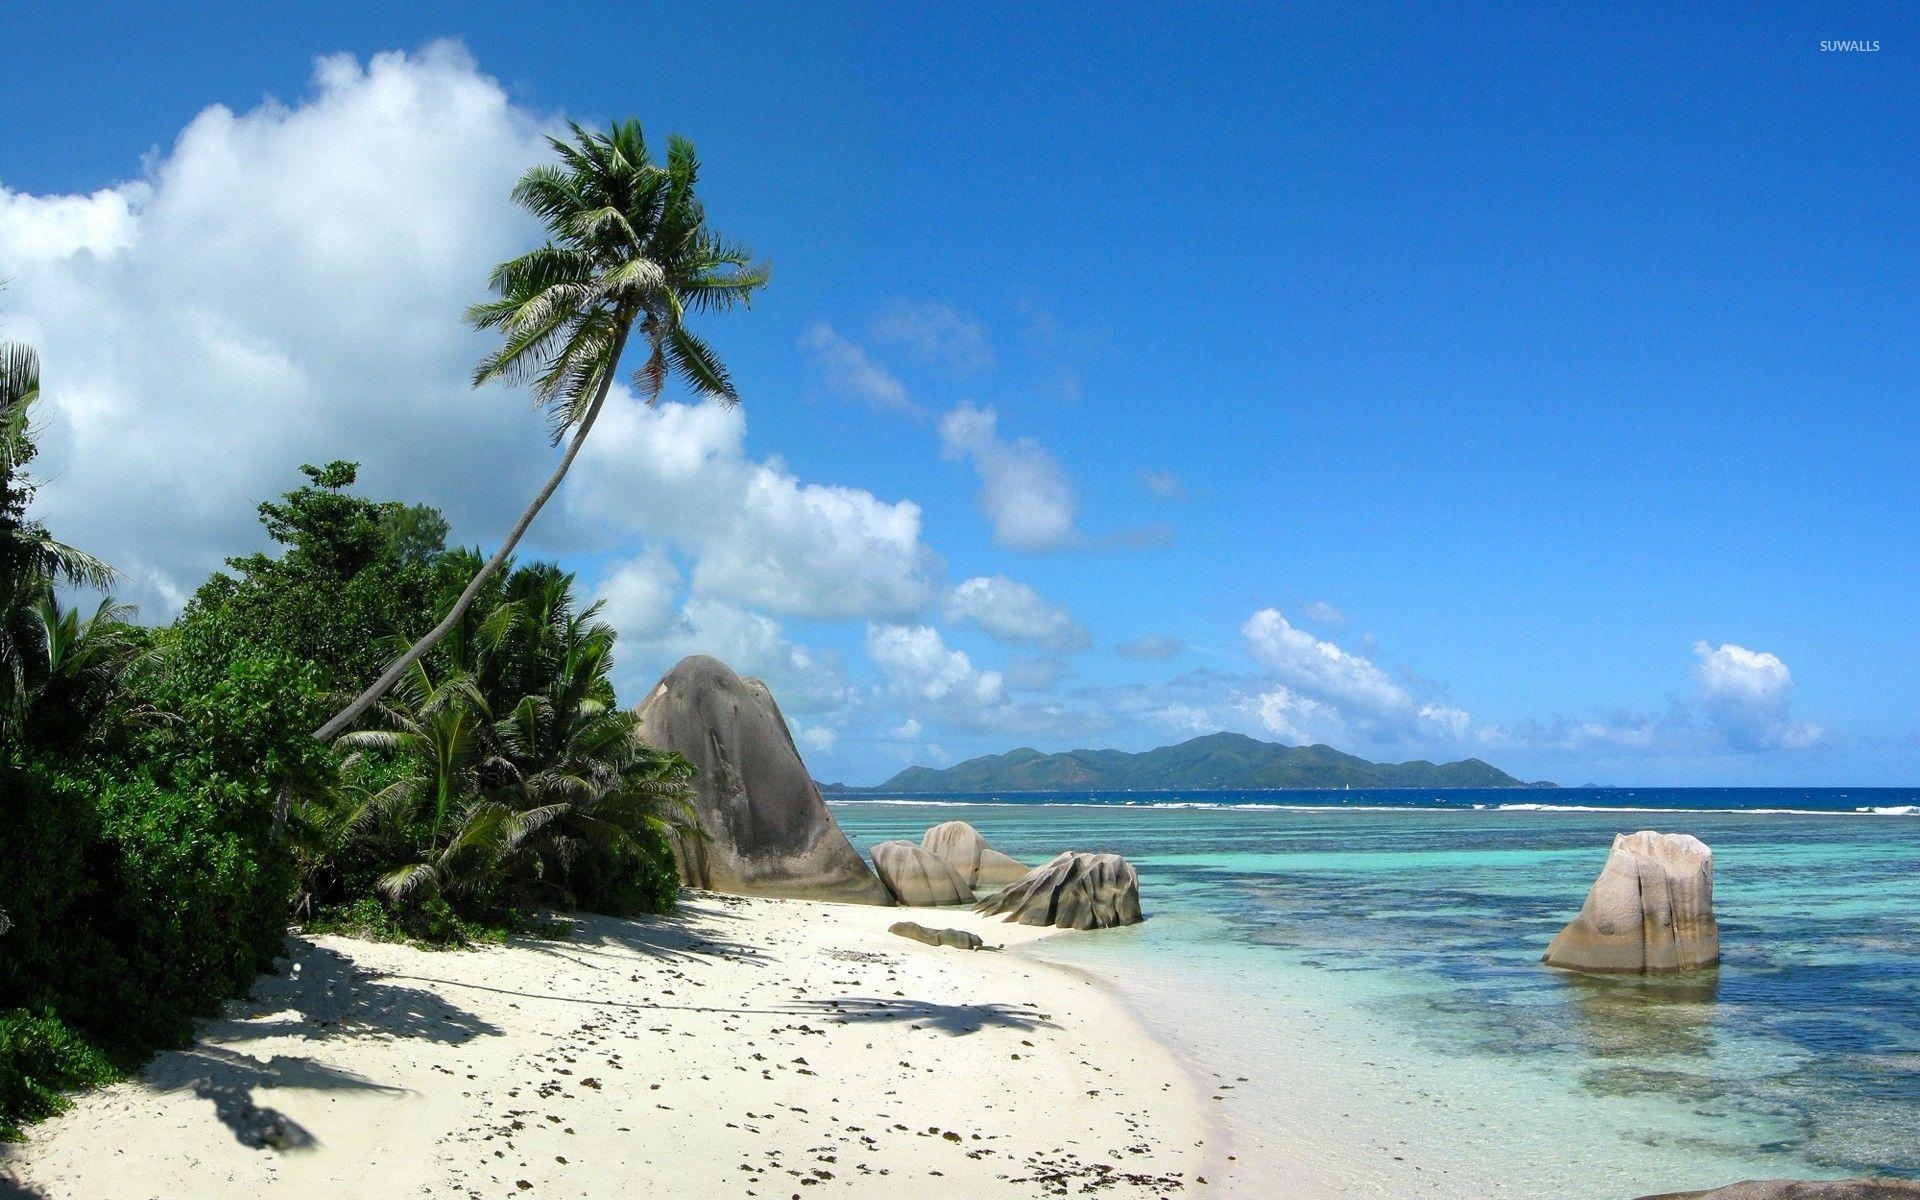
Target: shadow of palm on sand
{"x":955,"y":1019}
{"x":682,"y":936}
{"x":321,"y":996}
{"x":229,"y":1080}
{"x":324,"y":995}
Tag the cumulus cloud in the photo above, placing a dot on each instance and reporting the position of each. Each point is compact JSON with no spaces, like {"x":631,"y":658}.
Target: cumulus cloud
{"x":818,"y":737}
{"x":1740,"y":703}
{"x":280,"y":285}
{"x":940,"y":688}
{"x":803,"y":680}
{"x":1744,"y":694}
{"x":1152,"y":647}
{"x":846,"y":370}
{"x":935,"y":333}
{"x":642,"y":596}
{"x":1024,"y":492}
{"x":755,"y":533}
{"x":1323,"y":692}
{"x":918,"y":665}
{"x":1010,"y":611}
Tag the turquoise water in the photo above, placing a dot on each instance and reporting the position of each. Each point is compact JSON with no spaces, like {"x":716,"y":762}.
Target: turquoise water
{"x":1373,"y":970}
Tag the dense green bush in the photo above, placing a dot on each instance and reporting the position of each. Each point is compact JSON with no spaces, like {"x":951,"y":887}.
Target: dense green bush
{"x":40,"y":1058}
{"x":427,"y":921}
{"x":149,"y":883}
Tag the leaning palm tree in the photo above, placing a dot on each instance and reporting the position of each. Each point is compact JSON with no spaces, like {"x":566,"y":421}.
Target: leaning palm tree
{"x":628,"y":252}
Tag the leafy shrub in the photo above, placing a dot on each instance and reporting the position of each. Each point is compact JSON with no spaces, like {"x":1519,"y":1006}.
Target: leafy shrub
{"x":430,"y":922}
{"x":40,"y":1058}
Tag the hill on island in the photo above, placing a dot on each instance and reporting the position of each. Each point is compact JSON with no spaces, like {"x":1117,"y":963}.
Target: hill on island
{"x":1218,"y":761}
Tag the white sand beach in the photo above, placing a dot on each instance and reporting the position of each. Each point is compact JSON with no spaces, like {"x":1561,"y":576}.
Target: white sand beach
{"x":753,"y":1048}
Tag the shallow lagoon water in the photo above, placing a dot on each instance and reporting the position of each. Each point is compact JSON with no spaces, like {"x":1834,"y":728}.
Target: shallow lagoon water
{"x":1372,"y":969}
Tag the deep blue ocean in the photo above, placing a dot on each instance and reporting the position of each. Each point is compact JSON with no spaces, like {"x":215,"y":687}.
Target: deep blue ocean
{"x":1369,"y":961}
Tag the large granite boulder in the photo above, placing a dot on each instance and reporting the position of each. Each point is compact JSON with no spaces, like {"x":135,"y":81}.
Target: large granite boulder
{"x":914,"y":877}
{"x":766,"y":830}
{"x":958,"y":939}
{"x":1790,"y":1189}
{"x":1074,"y":891}
{"x":961,"y":847}
{"x":1650,"y":910}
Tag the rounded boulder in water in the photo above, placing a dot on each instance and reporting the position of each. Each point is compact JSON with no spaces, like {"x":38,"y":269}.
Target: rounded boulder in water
{"x":1651,"y":909}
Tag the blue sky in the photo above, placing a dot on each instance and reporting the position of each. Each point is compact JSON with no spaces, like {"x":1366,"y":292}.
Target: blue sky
{"x":1532,"y":384}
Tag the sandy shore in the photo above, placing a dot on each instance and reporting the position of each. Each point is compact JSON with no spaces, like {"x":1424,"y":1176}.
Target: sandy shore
{"x":740,"y":1048}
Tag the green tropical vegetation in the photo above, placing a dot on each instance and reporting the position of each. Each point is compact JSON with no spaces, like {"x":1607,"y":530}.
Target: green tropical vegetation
{"x":169,"y":810}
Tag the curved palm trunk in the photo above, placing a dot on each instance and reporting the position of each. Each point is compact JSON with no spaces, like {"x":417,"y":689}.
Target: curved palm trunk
{"x":381,"y":686}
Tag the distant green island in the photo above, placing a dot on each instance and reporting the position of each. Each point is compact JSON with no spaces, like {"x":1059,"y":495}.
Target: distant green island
{"x":1217,"y":761}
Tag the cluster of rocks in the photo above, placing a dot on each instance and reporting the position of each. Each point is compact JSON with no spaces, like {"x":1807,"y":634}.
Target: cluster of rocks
{"x":761,"y":828}
{"x":953,"y":864}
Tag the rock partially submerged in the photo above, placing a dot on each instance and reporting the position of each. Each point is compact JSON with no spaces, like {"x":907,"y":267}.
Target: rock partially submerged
{"x":1074,"y":891}
{"x":959,"y":939}
{"x":766,"y":830}
{"x":1650,"y":910}
{"x":961,"y":847}
{"x":916,"y":878}
{"x":1791,"y":1189}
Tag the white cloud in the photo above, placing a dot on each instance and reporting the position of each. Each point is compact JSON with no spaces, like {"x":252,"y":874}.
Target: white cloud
{"x":1152,"y":647}
{"x":1744,"y":694}
{"x":907,"y":731}
{"x":1320,"y":669}
{"x":917,"y":663}
{"x":818,"y":737}
{"x":935,"y":333}
{"x":1325,"y":615}
{"x":801,"y":678}
{"x":1452,"y":722}
{"x":1023,"y":491}
{"x":1740,"y":703}
{"x":939,"y":687}
{"x":641,"y":596}
{"x":1297,"y":719}
{"x":1013,"y":612}
{"x":1163,"y":484}
{"x":280,"y":285}
{"x":1326,"y":692}
{"x":755,"y":533}
{"x":847,"y":370}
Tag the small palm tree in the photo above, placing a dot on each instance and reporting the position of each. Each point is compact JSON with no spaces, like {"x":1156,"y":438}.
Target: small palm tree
{"x":32,"y":561}
{"x":438,"y":728}
{"x":629,"y":252}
